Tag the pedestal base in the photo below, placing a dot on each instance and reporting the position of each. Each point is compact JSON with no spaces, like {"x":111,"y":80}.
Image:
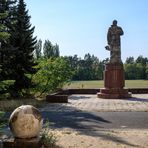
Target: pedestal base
{"x":114,"y":93}
{"x":114,"y":83}
{"x":22,"y":143}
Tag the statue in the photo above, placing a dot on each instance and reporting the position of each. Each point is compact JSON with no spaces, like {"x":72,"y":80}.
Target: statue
{"x":114,"y":45}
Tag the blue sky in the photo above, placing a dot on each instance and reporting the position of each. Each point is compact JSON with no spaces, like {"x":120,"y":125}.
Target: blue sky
{"x":80,"y":26}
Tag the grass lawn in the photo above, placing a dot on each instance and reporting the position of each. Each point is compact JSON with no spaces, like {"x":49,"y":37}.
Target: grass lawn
{"x":100,"y":84}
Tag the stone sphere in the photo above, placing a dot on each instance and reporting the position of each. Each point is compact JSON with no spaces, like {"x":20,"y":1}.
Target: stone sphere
{"x":25,"y":122}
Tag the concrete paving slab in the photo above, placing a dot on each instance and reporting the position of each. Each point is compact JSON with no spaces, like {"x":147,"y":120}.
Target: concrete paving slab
{"x":138,"y":103}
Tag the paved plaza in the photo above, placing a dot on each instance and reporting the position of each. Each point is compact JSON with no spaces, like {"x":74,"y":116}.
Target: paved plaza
{"x":88,"y":121}
{"x":138,"y":102}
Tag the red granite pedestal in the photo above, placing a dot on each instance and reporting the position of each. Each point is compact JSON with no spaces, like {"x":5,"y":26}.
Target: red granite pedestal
{"x":114,"y":83}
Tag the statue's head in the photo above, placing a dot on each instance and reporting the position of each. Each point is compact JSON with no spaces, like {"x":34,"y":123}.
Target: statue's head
{"x":115,"y":22}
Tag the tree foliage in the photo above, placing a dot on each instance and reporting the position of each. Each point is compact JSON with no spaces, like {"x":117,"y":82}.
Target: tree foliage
{"x":7,"y":9}
{"x":136,"y":69}
{"x":52,"y":74}
{"x":89,"y":68}
{"x":23,"y":41}
{"x":38,"y":49}
{"x":50,"y":50}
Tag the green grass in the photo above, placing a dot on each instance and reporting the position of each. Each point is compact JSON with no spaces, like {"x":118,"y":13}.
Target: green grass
{"x":136,"y":83}
{"x":100,"y":84}
{"x":84,"y":84}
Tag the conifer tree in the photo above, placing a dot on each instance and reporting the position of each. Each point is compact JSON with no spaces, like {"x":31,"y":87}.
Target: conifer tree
{"x":22,"y":39}
{"x":7,"y":10}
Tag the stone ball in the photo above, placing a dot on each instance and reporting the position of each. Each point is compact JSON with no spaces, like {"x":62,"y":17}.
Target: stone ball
{"x":25,"y":122}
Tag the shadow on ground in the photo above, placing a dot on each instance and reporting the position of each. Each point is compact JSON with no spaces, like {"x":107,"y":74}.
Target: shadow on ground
{"x":136,"y":99}
{"x":77,"y":97}
{"x":82,"y":122}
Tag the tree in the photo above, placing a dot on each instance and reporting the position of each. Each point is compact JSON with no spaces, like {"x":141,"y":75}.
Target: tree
{"x":141,"y":60}
{"x":38,"y":49}
{"x":4,"y":35}
{"x":139,"y":71}
{"x":7,"y":9}
{"x":88,"y":68}
{"x":147,"y":71}
{"x":130,"y":60}
{"x":130,"y":71}
{"x":22,"y":39}
{"x":56,"y":50}
{"x":50,"y":50}
{"x":52,"y":75}
{"x":97,"y":69}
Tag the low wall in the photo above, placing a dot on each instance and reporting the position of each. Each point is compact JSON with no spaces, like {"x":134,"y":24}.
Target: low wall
{"x":62,"y":96}
{"x":57,"y":98}
{"x":138,"y":90}
{"x":81,"y":91}
{"x":95,"y":91}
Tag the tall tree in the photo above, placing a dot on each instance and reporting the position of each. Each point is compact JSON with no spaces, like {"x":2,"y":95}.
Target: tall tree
{"x":4,"y":35}
{"x":47,"y":49}
{"x":146,"y":71}
{"x":130,"y":60}
{"x":56,"y":50}
{"x":89,"y":68}
{"x":38,"y":49}
{"x":7,"y":11}
{"x":22,"y":39}
{"x":142,"y":61}
{"x":50,"y":50}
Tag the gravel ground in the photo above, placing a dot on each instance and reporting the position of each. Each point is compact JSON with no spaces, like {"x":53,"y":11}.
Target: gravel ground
{"x":102,"y":139}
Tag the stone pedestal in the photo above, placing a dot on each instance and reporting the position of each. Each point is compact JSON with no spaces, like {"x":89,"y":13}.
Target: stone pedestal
{"x":22,"y":143}
{"x":114,"y":83}
{"x":25,"y":124}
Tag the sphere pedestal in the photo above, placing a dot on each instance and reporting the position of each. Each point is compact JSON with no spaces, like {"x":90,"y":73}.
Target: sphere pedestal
{"x":25,"y":124}
{"x":114,"y":83}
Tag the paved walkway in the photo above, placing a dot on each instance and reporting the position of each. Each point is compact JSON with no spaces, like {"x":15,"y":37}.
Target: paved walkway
{"x":85,"y":121}
{"x":139,"y":102}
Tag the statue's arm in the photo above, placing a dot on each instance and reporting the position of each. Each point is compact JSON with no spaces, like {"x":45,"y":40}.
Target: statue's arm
{"x":121,"y":31}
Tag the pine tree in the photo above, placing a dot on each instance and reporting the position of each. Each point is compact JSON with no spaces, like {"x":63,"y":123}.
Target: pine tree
{"x":4,"y":35}
{"x":7,"y":10}
{"x":22,"y":39}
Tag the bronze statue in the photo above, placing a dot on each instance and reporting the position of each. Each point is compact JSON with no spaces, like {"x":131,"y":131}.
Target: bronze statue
{"x":114,"y":45}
